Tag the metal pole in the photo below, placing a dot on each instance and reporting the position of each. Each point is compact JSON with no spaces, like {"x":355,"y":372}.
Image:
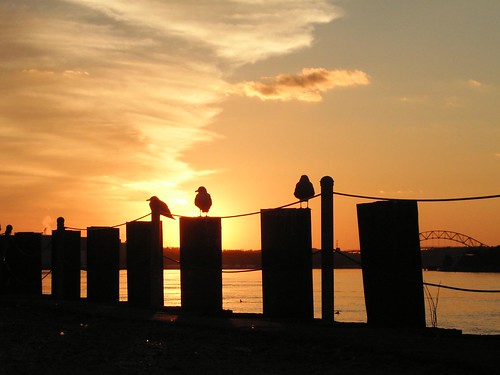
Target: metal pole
{"x":327,"y":249}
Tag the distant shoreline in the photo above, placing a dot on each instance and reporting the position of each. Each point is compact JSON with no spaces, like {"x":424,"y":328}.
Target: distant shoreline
{"x":446,"y":259}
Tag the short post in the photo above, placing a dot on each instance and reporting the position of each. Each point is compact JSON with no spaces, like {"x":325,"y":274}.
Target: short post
{"x":5,"y":244}
{"x":65,"y":262}
{"x":103,"y":257}
{"x":23,"y":263}
{"x":327,"y":280}
{"x":145,"y":264}
{"x":201,"y":264}
{"x":391,"y":263}
{"x":287,"y":263}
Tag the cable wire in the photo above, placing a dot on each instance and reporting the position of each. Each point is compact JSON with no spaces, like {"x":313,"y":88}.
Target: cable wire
{"x":335,"y":193}
{"x":430,"y":284}
{"x":418,"y":199}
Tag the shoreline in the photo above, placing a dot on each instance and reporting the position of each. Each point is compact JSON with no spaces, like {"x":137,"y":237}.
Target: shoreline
{"x":43,"y":335}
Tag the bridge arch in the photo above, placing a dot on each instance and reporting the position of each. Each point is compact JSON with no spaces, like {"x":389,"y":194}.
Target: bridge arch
{"x":452,"y":236}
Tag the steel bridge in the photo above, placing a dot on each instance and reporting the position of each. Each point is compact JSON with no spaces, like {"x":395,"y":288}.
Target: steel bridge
{"x":452,"y":236}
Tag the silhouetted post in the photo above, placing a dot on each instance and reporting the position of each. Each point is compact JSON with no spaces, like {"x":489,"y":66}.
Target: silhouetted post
{"x":201,"y":264}
{"x":287,"y":263}
{"x":23,"y":262}
{"x":327,"y":249}
{"x":6,"y":243}
{"x":103,"y":258}
{"x":65,"y":262}
{"x":391,"y":263}
{"x":145,"y":264}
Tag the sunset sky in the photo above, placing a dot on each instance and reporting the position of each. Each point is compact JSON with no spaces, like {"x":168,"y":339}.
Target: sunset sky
{"x":106,"y":103}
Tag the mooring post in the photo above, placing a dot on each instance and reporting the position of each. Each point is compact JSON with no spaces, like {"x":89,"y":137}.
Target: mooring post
{"x":201,"y":264}
{"x":391,"y":263}
{"x":65,"y":262}
{"x":158,"y":295}
{"x":287,"y":290}
{"x":327,"y":249}
{"x":103,"y":258}
{"x":145,"y":264}
{"x":23,"y":263}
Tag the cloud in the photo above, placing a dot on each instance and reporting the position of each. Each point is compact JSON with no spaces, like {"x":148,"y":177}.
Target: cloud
{"x":413,"y":99}
{"x":100,"y":101}
{"x":474,"y":83}
{"x":238,"y":31}
{"x":305,"y":86}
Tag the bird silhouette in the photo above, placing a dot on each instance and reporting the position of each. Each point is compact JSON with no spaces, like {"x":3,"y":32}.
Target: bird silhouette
{"x":304,"y":190}
{"x":203,"y":200}
{"x":158,"y":207}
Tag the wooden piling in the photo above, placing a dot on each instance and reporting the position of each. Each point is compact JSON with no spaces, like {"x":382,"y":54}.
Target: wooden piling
{"x":145,"y":264}
{"x":23,"y":264}
{"x":391,"y":263}
{"x":327,"y":273}
{"x":287,"y":263}
{"x":66,"y":264}
{"x":103,"y":257}
{"x":201,"y":264}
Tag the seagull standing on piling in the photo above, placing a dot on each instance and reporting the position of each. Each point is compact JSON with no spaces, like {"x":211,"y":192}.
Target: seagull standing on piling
{"x":203,"y":200}
{"x":158,"y":207}
{"x":304,"y":190}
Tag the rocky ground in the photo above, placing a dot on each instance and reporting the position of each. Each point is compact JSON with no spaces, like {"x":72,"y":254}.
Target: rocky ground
{"x":42,"y":336}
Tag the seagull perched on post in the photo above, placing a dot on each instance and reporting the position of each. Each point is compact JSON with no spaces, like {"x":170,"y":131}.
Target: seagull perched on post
{"x":304,"y":190}
{"x":158,"y":207}
{"x":203,"y":200}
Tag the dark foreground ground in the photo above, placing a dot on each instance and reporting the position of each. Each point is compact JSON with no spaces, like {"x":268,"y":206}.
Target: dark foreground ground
{"x":41,"y":336}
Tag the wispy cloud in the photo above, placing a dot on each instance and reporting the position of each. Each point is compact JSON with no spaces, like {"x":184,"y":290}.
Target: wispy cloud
{"x":308,"y":85}
{"x":100,"y":100}
{"x":413,"y":99}
{"x":474,"y":83}
{"x":241,"y":31}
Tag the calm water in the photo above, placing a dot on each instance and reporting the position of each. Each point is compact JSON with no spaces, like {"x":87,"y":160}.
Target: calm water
{"x":477,"y":313}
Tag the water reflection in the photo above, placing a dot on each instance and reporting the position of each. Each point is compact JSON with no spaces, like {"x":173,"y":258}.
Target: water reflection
{"x":242,"y":293}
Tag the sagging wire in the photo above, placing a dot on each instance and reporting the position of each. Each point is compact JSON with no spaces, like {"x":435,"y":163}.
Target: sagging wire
{"x":223,"y":271}
{"x":426,"y":283}
{"x":494,"y":196}
{"x":419,"y":199}
{"x":113,"y":226}
{"x":334,"y":193}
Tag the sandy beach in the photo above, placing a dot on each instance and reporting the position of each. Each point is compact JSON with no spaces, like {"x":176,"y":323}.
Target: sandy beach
{"x":43,"y":336}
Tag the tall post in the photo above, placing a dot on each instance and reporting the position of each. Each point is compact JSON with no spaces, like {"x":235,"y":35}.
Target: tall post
{"x":65,"y":262}
{"x":327,"y":249}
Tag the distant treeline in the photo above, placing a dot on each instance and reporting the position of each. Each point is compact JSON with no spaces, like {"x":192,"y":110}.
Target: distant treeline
{"x":455,"y":259}
{"x":251,"y":259}
{"x":462,"y":259}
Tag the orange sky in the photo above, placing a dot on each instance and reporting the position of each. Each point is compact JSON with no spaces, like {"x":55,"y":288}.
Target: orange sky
{"x":104,"y":104}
